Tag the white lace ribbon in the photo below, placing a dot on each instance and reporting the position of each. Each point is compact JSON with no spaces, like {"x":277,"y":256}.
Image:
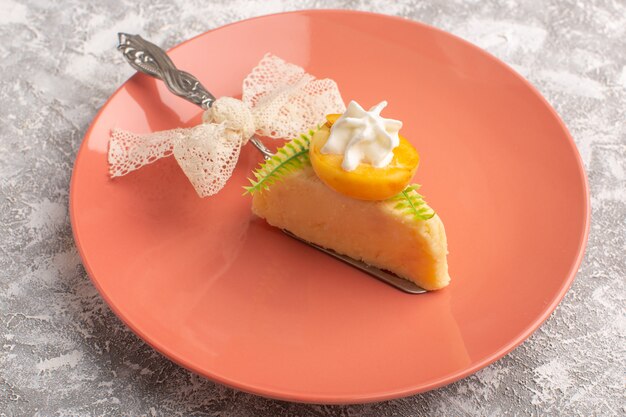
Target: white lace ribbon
{"x":280,"y":100}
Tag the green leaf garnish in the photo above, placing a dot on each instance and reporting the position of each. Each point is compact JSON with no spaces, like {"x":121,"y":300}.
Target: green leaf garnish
{"x":410,"y":202}
{"x":288,"y":158}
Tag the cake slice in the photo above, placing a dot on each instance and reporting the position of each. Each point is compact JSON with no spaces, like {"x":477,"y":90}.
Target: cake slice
{"x":346,"y":187}
{"x":374,"y":232}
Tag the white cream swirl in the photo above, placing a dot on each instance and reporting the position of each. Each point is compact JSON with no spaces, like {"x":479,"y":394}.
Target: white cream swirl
{"x":363,"y":136}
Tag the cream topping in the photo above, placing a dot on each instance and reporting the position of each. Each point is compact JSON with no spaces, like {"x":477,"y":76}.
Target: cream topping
{"x":363,"y":137}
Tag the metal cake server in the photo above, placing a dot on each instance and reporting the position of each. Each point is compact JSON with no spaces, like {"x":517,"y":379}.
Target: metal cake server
{"x":149,"y":59}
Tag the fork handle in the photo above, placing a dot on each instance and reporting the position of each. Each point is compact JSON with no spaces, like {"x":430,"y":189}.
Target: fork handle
{"x":149,"y":59}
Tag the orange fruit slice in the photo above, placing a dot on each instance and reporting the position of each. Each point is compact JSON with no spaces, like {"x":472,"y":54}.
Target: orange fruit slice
{"x":366,"y":182}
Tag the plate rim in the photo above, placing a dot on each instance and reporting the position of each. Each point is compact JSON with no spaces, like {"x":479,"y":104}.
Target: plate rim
{"x":284,"y":395}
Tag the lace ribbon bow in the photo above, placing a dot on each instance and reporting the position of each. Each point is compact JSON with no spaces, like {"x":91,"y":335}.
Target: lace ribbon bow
{"x":280,"y":100}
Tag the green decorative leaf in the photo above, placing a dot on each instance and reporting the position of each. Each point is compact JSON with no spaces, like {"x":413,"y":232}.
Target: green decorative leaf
{"x":290,"y":157}
{"x":410,"y":202}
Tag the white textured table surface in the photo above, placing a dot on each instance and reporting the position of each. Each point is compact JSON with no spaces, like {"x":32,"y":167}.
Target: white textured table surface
{"x":63,"y":352}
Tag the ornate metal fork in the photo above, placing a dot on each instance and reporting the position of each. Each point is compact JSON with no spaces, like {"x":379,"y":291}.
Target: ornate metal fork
{"x":149,"y":59}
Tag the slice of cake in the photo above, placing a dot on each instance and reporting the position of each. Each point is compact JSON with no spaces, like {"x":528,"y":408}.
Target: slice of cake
{"x":372,"y":231}
{"x":363,"y":212}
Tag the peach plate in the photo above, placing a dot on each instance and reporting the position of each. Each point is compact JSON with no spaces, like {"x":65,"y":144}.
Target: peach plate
{"x":223,"y":294}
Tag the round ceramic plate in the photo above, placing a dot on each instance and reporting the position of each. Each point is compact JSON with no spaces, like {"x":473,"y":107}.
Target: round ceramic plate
{"x":223,"y":294}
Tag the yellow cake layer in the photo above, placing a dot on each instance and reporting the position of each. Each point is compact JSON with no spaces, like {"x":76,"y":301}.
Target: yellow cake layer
{"x":371,"y":231}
